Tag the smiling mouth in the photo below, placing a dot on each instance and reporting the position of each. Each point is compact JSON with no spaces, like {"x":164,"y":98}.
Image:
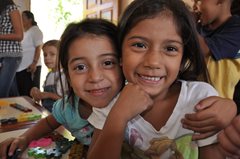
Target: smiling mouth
{"x":151,"y":79}
{"x":98,"y":92}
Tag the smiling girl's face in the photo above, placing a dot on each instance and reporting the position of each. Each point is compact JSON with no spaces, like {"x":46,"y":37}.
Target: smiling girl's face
{"x":152,"y":54}
{"x":94,"y":70}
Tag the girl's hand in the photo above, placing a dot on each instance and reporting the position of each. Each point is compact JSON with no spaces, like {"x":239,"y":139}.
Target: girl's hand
{"x":132,"y":101}
{"x":36,"y":94}
{"x":14,"y":143}
{"x":213,"y":114}
{"x":229,"y":139}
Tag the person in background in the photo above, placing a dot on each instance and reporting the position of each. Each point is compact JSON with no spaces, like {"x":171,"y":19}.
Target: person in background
{"x":219,"y":36}
{"x":11,"y":34}
{"x":90,"y":59}
{"x":29,"y":71}
{"x":52,"y":85}
{"x":235,"y":10}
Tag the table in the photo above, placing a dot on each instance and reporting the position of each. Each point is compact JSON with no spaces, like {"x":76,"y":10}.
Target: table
{"x":6,"y":111}
{"x":16,"y":129}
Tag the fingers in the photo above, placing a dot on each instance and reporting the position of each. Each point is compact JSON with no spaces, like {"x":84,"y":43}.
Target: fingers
{"x":12,"y":148}
{"x":205,"y":103}
{"x":6,"y":148}
{"x":203,"y":135}
{"x":35,"y":93}
{"x":229,"y":147}
{"x":3,"y":151}
{"x":138,"y":102}
{"x":232,"y":156}
{"x":199,"y":119}
{"x":229,"y":138}
{"x":204,"y":129}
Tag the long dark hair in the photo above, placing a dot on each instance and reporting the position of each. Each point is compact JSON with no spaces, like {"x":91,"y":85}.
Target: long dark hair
{"x":99,"y":27}
{"x":193,"y":66}
{"x":4,"y":4}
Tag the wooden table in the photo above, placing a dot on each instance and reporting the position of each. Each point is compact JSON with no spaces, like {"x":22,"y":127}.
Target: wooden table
{"x":6,"y":112}
{"x":16,"y":129}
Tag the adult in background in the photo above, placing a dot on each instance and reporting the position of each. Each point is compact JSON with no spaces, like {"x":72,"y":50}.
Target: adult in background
{"x":29,"y":71}
{"x":11,"y":34}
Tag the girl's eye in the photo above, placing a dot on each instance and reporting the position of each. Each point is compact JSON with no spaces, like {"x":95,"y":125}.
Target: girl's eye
{"x":139,"y":45}
{"x":171,"y":50}
{"x":108,"y":63}
{"x":81,"y":67}
{"x":53,"y":54}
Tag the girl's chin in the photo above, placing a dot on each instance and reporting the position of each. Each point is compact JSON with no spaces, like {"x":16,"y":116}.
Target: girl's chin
{"x":100,"y":105}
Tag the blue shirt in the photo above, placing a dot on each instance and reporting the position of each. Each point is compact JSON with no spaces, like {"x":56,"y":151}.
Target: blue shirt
{"x":69,"y":117}
{"x":224,"y":42}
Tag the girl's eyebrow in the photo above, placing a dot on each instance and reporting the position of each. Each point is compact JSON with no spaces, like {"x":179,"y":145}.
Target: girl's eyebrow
{"x":136,"y":37}
{"x":109,"y":54}
{"x":166,"y":40}
{"x":174,"y":41}
{"x":75,"y":59}
{"x":102,"y":55}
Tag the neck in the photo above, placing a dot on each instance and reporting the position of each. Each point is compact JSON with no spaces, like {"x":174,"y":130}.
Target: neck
{"x":26,"y":28}
{"x":222,"y":18}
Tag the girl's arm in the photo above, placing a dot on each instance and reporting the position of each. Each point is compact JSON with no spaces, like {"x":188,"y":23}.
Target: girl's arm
{"x":213,"y":114}
{"x":107,"y":143}
{"x":229,"y":139}
{"x":42,"y":128}
{"x":210,"y":151}
{"x":54,"y":96}
{"x":16,"y":20}
{"x":38,"y":95}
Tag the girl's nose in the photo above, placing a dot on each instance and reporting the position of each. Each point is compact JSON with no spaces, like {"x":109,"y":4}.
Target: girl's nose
{"x":153,"y":59}
{"x":95,"y":75}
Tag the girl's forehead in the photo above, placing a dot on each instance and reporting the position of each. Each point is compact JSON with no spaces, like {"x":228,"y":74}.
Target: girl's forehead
{"x":90,"y":46}
{"x":49,"y":47}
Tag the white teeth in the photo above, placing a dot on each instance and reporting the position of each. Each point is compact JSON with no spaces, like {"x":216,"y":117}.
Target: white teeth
{"x":151,"y":78}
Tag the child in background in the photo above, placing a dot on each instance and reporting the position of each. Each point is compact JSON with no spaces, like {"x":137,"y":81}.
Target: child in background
{"x":219,"y":36}
{"x":52,"y":86}
{"x":162,"y":62}
{"x":89,"y":57}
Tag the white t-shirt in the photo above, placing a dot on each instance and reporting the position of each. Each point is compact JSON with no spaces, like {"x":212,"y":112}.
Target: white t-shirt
{"x":140,"y":132}
{"x":32,"y":38}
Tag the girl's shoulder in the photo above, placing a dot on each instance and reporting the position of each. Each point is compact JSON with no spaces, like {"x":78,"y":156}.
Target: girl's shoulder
{"x":198,"y":87}
{"x":66,"y":103}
